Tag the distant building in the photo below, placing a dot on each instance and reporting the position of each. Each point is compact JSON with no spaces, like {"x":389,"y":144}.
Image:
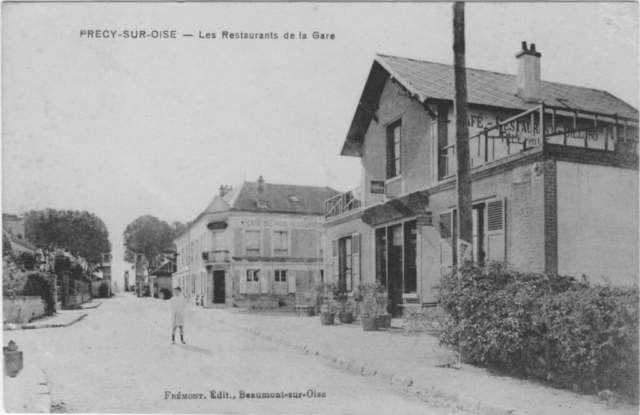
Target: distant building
{"x":254,"y":245}
{"x":161,"y":277}
{"x":13,"y":228}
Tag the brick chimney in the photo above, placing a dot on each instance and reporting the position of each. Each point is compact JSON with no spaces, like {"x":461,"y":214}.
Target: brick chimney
{"x":261,"y":184}
{"x":224,"y":190}
{"x":529,"y":84}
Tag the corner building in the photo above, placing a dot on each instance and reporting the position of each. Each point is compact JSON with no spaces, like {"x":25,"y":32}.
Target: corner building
{"x":554,"y":172}
{"x":254,"y":246}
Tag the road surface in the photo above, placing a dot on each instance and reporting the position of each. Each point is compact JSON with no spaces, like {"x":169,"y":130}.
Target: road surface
{"x":119,"y":359}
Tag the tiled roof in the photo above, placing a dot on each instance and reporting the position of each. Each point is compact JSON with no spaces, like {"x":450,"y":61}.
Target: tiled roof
{"x":277,"y":198}
{"x":436,"y":81}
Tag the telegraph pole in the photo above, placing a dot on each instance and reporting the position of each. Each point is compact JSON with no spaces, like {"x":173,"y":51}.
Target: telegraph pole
{"x":465,"y":230}
{"x":465,"y":224}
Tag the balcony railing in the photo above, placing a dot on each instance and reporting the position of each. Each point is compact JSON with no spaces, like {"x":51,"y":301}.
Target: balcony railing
{"x":560,"y":126}
{"x":215,"y":257}
{"x":342,"y":203}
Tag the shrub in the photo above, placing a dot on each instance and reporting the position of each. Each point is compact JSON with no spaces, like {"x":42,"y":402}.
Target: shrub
{"x":40,"y":284}
{"x":553,"y":328}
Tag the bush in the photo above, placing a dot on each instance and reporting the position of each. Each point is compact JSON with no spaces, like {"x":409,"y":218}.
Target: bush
{"x":39,"y":284}
{"x":166,"y":293}
{"x":552,"y":328}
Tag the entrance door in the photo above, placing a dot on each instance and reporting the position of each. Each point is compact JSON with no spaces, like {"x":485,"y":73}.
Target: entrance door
{"x":218,"y":287}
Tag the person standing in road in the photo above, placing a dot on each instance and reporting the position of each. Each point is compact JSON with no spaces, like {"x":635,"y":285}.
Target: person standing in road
{"x":178,"y":310}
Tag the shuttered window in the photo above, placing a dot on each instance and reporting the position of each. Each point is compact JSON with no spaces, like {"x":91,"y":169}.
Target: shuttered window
{"x":355,"y":259}
{"x":489,"y":243}
{"x":253,"y":281}
{"x":252,"y":240}
{"x":495,"y":246}
{"x":448,"y":240}
{"x":281,"y":243}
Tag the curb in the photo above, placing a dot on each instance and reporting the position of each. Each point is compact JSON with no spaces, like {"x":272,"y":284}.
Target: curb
{"x":53,"y":325}
{"x":93,"y":306}
{"x":464,"y":402}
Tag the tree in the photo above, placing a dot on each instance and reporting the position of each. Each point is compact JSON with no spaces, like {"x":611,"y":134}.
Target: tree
{"x":82,"y":233}
{"x":150,"y":236}
{"x":179,"y":227}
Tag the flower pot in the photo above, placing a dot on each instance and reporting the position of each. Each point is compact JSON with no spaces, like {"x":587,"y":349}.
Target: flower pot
{"x":327,"y":319}
{"x":345,"y":318}
{"x":384,"y":321}
{"x":369,"y":324}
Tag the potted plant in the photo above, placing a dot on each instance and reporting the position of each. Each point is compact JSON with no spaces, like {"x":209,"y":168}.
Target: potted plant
{"x":380,"y":295}
{"x":367,"y":306}
{"x":341,"y":299}
{"x":325,"y":304}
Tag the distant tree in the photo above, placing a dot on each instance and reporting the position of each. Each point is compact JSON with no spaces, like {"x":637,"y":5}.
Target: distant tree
{"x":178,"y":227}
{"x":82,"y":233}
{"x":150,"y":236}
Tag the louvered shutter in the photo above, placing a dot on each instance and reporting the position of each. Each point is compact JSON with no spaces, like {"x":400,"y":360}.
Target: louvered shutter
{"x":495,"y":235}
{"x":291,"y":280}
{"x":355,"y":259}
{"x":242,"y":284}
{"x":335,"y":262}
{"x":448,"y":240}
{"x":265,"y":281}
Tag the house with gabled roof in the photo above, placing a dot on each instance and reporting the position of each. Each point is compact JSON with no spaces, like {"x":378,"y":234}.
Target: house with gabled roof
{"x":162,"y":277}
{"x":254,"y":245}
{"x":554,"y":172}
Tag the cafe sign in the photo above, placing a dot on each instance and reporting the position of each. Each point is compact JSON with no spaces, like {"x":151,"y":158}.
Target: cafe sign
{"x":215,"y":226}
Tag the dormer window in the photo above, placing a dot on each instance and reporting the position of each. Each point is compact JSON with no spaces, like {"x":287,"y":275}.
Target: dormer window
{"x":261,"y":204}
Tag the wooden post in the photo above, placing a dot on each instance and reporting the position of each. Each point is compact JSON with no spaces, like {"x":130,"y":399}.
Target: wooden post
{"x":465,"y":230}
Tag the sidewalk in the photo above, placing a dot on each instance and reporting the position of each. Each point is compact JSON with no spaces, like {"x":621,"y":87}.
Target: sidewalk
{"x":28,"y":392}
{"x":411,"y":360}
{"x":62,"y":318}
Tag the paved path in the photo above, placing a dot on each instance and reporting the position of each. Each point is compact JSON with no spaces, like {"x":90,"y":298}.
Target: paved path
{"x":120,"y":359}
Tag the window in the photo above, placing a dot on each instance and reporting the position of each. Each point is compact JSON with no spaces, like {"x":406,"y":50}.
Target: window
{"x":253,"y":281}
{"x":294,"y":198}
{"x":347,"y":261}
{"x":280,"y":243}
{"x":252,"y":247}
{"x":280,"y":285}
{"x":253,"y":275}
{"x":488,"y":234}
{"x":280,"y":275}
{"x":393,"y":149}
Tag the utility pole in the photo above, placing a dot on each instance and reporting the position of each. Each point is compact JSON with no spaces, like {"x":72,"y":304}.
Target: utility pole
{"x":465,"y":223}
{"x":465,"y":226}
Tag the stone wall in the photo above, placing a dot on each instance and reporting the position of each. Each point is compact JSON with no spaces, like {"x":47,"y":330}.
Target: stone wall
{"x":22,"y":309}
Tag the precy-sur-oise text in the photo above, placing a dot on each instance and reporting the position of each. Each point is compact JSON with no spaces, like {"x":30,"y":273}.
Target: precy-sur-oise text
{"x":202,"y":34}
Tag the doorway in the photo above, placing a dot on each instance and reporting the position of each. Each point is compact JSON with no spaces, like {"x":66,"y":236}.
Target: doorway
{"x":396,"y":262}
{"x":218,"y":287}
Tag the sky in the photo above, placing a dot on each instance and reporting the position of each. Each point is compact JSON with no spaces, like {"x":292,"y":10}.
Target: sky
{"x":124,"y":127}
